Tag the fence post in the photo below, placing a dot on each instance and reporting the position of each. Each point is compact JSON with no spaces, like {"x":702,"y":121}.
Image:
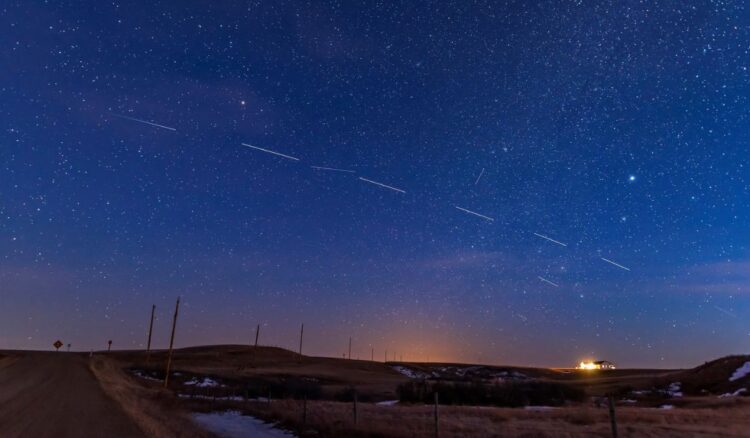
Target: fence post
{"x":437,"y":417}
{"x":304,"y":410}
{"x":355,"y":407}
{"x":612,"y":418}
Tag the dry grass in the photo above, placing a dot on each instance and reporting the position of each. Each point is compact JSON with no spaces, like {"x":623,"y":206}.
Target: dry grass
{"x":238,"y":362}
{"x":154,"y":409}
{"x":705,"y":416}
{"x":335,"y":419}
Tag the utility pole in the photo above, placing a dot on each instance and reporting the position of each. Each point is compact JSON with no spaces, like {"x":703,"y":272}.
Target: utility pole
{"x":301,"y":331}
{"x":257,"y":333}
{"x":171,"y":342}
{"x":372,"y":355}
{"x":150,"y":330}
{"x":350,"y":348}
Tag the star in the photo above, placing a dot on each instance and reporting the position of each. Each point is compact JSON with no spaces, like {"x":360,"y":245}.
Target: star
{"x":631,"y":178}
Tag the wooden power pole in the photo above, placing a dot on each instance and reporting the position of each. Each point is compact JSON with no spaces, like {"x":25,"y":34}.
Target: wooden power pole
{"x":171,"y":342}
{"x":150,"y":330}
{"x":350,"y":348}
{"x":301,"y":332}
{"x":257,"y":333}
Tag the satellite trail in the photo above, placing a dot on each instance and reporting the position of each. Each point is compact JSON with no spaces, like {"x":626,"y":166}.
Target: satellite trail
{"x":725,"y":311}
{"x":381,"y":185}
{"x":550,"y":239}
{"x":146,"y":122}
{"x":480,"y":176}
{"x":270,"y":152}
{"x":475,"y":213}
{"x":614,"y":263}
{"x":548,"y":282}
{"x":332,"y":169}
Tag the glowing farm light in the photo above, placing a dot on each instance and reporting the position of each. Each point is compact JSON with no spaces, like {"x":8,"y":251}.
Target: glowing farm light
{"x":596,"y":365}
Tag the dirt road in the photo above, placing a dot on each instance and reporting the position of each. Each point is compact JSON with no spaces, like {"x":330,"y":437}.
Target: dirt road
{"x":56,"y":395}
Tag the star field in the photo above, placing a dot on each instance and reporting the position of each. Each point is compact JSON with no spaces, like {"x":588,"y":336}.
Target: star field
{"x":507,"y":182}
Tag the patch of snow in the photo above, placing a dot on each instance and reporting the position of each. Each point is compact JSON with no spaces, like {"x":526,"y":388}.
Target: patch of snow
{"x":233,"y":424}
{"x":207,"y":382}
{"x":461,"y":372}
{"x":734,"y":394}
{"x":666,"y":407}
{"x":629,"y":400}
{"x":740,"y":372}
{"x":207,"y":397}
{"x":674,"y":389}
{"x":410,"y":373}
{"x":387,"y":403}
{"x":142,"y":375}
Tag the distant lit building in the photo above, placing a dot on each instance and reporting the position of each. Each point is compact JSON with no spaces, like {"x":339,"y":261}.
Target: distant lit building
{"x":596,"y":365}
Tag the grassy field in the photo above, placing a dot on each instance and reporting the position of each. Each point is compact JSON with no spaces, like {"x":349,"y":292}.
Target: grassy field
{"x":335,"y":419}
{"x":699,"y":412}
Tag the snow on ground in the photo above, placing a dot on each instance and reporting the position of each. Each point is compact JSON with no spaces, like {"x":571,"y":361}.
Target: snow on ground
{"x":232,"y":424}
{"x":740,"y":372}
{"x":734,"y":394}
{"x":674,"y":389}
{"x":207,"y":382}
{"x":387,"y":403}
{"x":410,"y":373}
{"x":208,"y":397}
{"x":510,"y":375}
{"x":666,"y":407}
{"x":142,"y":375}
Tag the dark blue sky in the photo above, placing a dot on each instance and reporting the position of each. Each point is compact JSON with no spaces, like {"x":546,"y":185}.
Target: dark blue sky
{"x":620,"y":131}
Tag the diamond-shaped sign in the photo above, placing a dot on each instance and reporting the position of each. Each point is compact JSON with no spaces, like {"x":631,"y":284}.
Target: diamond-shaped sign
{"x":57,"y":344}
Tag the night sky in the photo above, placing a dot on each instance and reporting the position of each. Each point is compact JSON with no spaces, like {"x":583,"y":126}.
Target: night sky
{"x":603,"y":148}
